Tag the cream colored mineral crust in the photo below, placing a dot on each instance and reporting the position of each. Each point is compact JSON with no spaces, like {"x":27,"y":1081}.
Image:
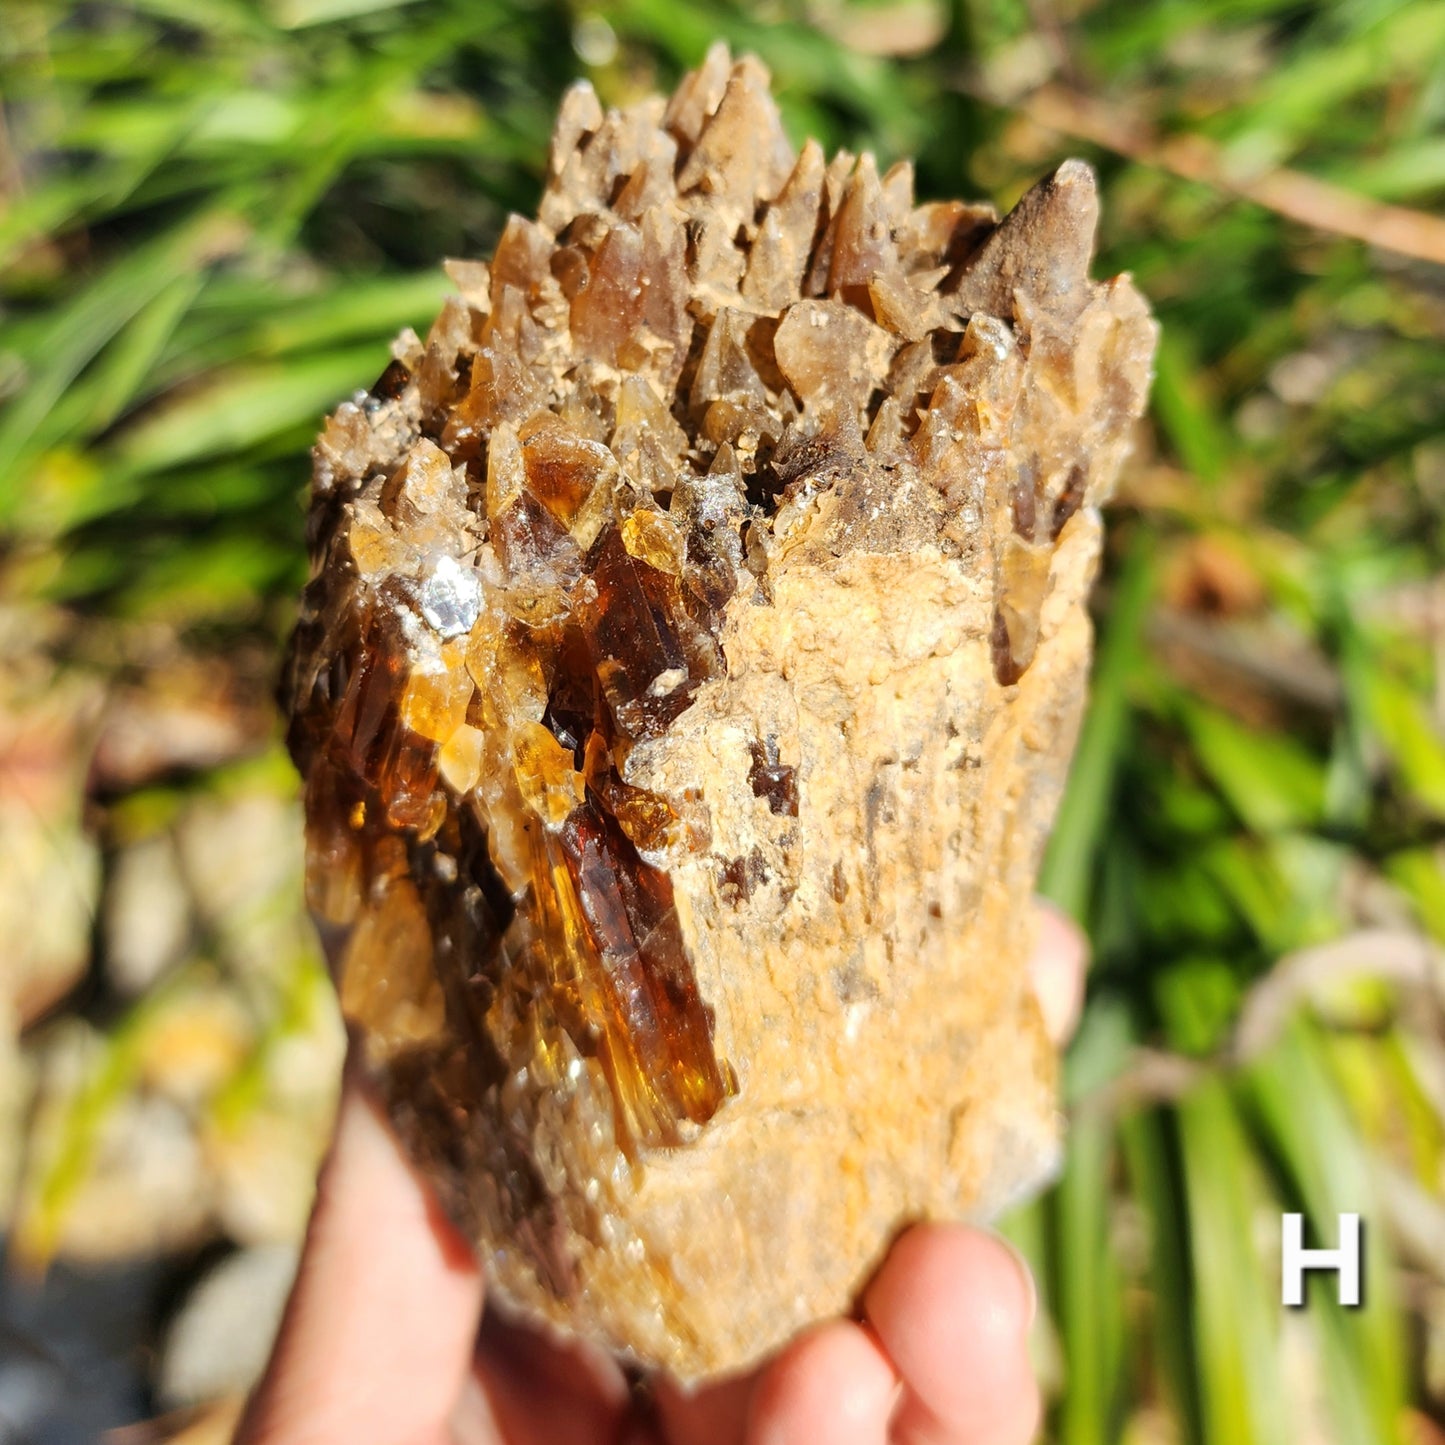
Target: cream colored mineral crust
{"x":694,"y":652}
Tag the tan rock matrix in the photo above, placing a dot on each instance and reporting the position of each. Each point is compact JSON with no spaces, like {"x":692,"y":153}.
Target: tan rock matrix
{"x":695,"y":647}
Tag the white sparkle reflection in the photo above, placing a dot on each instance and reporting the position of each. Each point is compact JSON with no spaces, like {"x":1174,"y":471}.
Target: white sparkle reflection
{"x":451,"y":598}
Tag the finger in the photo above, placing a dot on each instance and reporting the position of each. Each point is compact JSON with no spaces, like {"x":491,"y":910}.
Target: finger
{"x":539,"y":1391}
{"x":834,"y":1384}
{"x":952,"y":1308}
{"x":378,"y":1335}
{"x":1057,"y":967}
{"x":716,"y":1414}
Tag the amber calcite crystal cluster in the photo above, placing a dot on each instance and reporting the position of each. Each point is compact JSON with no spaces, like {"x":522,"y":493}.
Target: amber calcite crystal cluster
{"x":693,"y":655}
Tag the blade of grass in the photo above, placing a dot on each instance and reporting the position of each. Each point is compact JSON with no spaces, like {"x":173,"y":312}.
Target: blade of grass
{"x":1155,"y":1183}
{"x":1085,"y":1274}
{"x":1236,"y":1305}
{"x":239,"y":409}
{"x":1068,"y":867}
{"x":130,"y":362}
{"x":1271,"y":780}
{"x":86,"y":324}
{"x":1308,"y":1126}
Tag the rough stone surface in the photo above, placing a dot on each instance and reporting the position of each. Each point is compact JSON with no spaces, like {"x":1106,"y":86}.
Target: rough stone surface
{"x":692,"y":661}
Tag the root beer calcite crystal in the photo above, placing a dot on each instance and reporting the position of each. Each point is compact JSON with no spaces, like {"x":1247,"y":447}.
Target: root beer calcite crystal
{"x":693,"y":655}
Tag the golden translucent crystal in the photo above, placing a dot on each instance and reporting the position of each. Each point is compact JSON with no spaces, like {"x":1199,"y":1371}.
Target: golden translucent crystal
{"x":694,"y":649}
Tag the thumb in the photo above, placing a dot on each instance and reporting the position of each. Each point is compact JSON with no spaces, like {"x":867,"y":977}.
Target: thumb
{"x":378,"y":1336}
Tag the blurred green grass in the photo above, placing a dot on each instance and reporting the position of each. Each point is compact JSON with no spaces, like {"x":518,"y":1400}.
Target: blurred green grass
{"x":216,"y":214}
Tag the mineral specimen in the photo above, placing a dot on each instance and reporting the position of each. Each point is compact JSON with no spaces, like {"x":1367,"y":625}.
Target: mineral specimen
{"x":694,"y":650}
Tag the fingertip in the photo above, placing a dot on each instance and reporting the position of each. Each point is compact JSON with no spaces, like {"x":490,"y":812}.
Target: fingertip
{"x":539,"y":1388}
{"x":952,"y":1307}
{"x":834,"y":1384}
{"x":1056,"y":969}
{"x":711,"y":1414}
{"x":1013,"y":1420}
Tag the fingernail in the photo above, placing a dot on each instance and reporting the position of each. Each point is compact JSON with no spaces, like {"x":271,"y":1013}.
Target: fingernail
{"x":1031,"y":1288}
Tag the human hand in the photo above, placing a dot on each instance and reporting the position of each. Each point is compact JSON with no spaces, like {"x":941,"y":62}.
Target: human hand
{"x":379,"y":1345}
